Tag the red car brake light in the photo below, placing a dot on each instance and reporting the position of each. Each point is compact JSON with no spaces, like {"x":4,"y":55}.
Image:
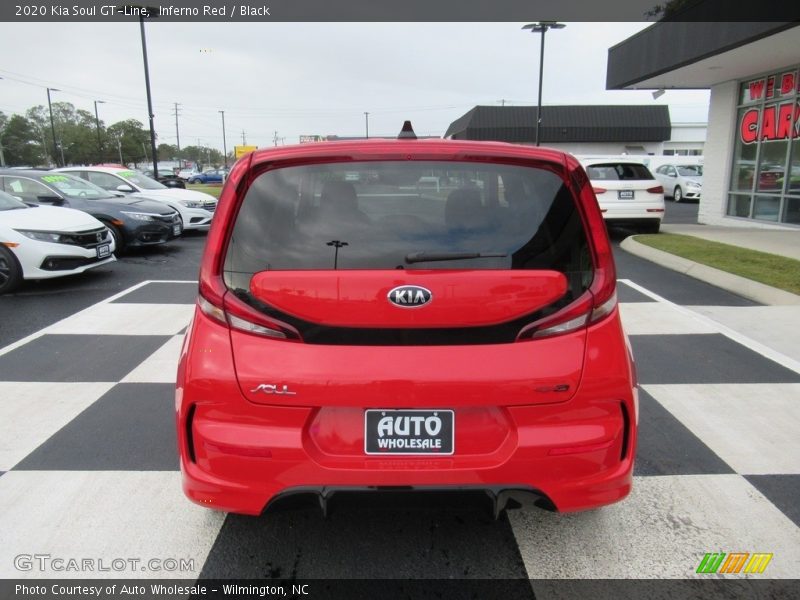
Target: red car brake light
{"x":236,"y":314}
{"x":659,"y":189}
{"x":601,"y":297}
{"x":599,"y":190}
{"x":215,"y":301}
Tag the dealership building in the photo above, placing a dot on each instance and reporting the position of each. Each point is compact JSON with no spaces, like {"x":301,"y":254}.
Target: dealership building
{"x":752,"y":147}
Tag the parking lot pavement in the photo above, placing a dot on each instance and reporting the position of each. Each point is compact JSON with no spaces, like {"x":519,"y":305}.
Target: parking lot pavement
{"x":90,"y":469}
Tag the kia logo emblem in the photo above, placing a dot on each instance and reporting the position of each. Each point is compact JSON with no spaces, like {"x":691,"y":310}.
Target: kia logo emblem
{"x":409,"y":296}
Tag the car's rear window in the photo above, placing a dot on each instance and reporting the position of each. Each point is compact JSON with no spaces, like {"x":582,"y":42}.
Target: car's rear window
{"x":379,"y":215}
{"x":618,"y":172}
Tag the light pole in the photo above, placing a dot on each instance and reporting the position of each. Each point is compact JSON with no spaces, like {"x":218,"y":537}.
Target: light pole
{"x":541,"y":27}
{"x":147,"y":12}
{"x":366,"y":120}
{"x":224,"y":143}
{"x":336,"y":244}
{"x":99,"y":140}
{"x":2,"y":156}
{"x":52,"y":123}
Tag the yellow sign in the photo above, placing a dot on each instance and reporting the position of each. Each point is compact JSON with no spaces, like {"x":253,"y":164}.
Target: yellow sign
{"x":240,"y":151}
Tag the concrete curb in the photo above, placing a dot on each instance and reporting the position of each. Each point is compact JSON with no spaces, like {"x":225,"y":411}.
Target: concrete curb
{"x":752,"y":290}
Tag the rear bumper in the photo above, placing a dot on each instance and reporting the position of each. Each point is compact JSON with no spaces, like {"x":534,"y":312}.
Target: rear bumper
{"x":239,"y":456}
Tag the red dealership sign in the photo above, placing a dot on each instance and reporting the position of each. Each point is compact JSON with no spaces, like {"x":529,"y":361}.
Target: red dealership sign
{"x":775,"y":121}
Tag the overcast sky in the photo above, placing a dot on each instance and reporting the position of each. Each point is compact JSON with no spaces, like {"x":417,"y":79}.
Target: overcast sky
{"x":311,"y":78}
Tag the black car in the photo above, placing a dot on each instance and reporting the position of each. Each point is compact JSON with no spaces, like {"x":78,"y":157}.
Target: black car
{"x":132,"y":221}
{"x":166,"y":177}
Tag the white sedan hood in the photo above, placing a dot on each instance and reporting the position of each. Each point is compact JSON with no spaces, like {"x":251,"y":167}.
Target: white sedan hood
{"x":49,"y":218}
{"x":176,"y":194}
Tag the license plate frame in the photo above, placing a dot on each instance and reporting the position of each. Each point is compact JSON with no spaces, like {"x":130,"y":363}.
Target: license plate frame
{"x":625,"y":195}
{"x":176,"y":229}
{"x":103,"y":251}
{"x":413,"y":443}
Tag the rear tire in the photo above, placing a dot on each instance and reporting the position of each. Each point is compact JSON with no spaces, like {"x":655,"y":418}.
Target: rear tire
{"x":650,"y":227}
{"x":677,"y":194}
{"x":10,"y":271}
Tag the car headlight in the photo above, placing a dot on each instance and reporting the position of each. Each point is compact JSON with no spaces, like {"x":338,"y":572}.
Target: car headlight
{"x":42,"y":236}
{"x":692,"y":184}
{"x":190,"y":203}
{"x":138,"y":216}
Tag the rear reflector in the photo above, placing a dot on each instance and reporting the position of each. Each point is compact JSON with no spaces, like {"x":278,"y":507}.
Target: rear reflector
{"x":655,"y":210}
{"x":598,"y":190}
{"x":656,"y":190}
{"x":579,"y":449}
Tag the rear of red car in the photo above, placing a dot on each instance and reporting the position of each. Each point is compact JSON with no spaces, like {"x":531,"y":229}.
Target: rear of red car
{"x":407,"y":315}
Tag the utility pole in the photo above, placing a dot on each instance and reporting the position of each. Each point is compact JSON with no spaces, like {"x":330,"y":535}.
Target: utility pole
{"x":275,"y":138}
{"x":244,"y":140}
{"x":149,"y":14}
{"x":366,"y":119}
{"x":178,"y":135}
{"x":119,"y":147}
{"x":224,"y":143}
{"x":52,"y":123}
{"x":99,"y":139}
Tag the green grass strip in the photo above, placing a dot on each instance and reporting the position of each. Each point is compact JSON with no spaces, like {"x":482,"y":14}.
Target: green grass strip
{"x":770,"y":269}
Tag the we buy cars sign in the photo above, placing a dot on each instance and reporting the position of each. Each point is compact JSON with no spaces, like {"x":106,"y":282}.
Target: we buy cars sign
{"x":774,"y":121}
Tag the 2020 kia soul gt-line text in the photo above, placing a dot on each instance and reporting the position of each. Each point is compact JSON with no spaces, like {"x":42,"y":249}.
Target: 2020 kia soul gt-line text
{"x":357,"y":329}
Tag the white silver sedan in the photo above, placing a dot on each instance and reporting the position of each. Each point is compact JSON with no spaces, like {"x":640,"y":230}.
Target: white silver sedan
{"x":681,"y":182}
{"x":43,"y":242}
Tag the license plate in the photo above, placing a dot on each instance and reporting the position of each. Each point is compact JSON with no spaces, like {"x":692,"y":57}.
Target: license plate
{"x":409,"y":432}
{"x":104,"y":251}
{"x":625,"y":194}
{"x":176,"y":229}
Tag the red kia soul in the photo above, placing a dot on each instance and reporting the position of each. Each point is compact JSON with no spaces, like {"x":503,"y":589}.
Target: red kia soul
{"x":407,"y":315}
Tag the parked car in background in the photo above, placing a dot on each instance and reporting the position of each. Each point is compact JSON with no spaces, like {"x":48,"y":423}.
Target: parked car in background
{"x":681,"y":182}
{"x":132,"y":221}
{"x":166,"y":177}
{"x":358,"y":334}
{"x":627,"y":192}
{"x":210,"y":176}
{"x":196,"y":209}
{"x":42,"y":242}
{"x":185,"y":173}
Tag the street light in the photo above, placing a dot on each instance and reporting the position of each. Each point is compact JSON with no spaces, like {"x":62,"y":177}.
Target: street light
{"x":366,"y":118}
{"x":224,"y":143}
{"x":52,"y":124}
{"x":541,"y":27}
{"x":146,"y":12}
{"x":99,"y":140}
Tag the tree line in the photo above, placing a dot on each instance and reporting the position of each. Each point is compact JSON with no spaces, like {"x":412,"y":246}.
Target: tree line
{"x":26,"y":140}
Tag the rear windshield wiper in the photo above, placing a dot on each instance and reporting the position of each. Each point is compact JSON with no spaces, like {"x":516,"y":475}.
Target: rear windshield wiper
{"x":416,"y":257}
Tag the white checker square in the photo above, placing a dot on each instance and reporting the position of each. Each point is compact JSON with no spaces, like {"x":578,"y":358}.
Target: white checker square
{"x":662,"y":530}
{"x":103,"y":515}
{"x":752,"y":427}
{"x":127,"y":319}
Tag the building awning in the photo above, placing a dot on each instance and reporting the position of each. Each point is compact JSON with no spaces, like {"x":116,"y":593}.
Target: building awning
{"x":697,"y":55}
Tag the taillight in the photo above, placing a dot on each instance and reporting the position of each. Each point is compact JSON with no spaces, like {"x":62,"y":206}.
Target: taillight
{"x":659,"y":189}
{"x":601,"y":297}
{"x":599,"y":190}
{"x":237,"y":315}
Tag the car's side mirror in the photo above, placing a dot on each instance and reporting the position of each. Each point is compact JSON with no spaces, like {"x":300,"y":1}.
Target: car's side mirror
{"x":124,"y":187}
{"x":50,"y":199}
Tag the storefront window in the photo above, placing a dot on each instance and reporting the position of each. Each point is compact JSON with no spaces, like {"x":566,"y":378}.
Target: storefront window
{"x":765,"y":174}
{"x":739,"y":205}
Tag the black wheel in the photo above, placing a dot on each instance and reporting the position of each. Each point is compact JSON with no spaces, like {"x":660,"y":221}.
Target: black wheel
{"x":677,"y":194}
{"x":10,"y":271}
{"x":119,"y":241}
